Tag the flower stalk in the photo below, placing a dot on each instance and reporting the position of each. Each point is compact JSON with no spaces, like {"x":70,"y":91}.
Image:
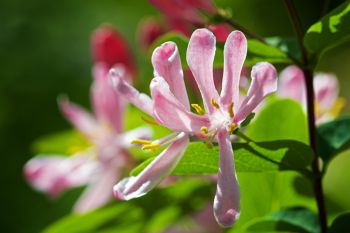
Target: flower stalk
{"x":308,"y":76}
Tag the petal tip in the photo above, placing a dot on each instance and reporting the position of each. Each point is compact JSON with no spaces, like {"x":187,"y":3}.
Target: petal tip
{"x":166,"y":52}
{"x":228,"y":218}
{"x":203,"y":37}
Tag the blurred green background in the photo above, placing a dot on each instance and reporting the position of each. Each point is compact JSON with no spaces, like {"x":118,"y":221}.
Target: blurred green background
{"x":45,"y":51}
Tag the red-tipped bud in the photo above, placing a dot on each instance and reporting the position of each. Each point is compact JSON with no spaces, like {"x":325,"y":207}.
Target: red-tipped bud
{"x":110,"y":48}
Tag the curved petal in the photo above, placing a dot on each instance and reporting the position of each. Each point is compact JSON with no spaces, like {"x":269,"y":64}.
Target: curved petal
{"x":200,"y":58}
{"x":235,"y":52}
{"x":99,"y":192}
{"x":326,"y":90}
{"x":170,"y":112}
{"x":109,"y":106}
{"x":226,"y":202}
{"x":160,"y":167}
{"x":167,"y":64}
{"x":55,"y":174}
{"x":140,"y":100}
{"x":79,"y":118}
{"x":292,"y":85}
{"x":264,"y":82}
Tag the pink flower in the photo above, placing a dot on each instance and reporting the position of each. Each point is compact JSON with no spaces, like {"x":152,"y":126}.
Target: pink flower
{"x":327,"y":103}
{"x":100,"y":166}
{"x":170,"y":107}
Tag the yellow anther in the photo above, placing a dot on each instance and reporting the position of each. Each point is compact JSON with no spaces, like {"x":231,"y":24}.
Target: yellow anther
{"x":209,"y":144}
{"x":74,"y":149}
{"x":232,"y":128}
{"x":141,"y":141}
{"x":230,"y":110}
{"x":150,"y":146}
{"x":204,"y":130}
{"x":149,"y":121}
{"x":198,"y":109}
{"x":338,"y":106}
{"x":213,"y":102}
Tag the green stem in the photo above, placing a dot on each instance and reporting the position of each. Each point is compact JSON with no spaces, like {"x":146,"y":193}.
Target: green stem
{"x":243,"y":136}
{"x":308,"y":78}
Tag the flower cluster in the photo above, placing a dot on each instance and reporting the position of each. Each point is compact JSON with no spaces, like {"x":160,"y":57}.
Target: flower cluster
{"x":221,"y":115}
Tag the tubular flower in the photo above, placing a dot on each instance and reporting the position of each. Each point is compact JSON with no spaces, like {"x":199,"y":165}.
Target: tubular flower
{"x":170,"y":107}
{"x":326,"y":89}
{"x":98,"y":167}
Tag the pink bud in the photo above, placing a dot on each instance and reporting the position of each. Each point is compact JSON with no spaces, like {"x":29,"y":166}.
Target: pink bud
{"x":110,"y":48}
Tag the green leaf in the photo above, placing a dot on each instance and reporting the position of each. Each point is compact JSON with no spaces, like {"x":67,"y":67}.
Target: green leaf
{"x":146,"y":214}
{"x":260,"y":52}
{"x":330,"y":31}
{"x":249,"y":157}
{"x":333,"y":137}
{"x":341,"y":224}
{"x":64,"y":143}
{"x":295,"y":219}
{"x":279,"y":119}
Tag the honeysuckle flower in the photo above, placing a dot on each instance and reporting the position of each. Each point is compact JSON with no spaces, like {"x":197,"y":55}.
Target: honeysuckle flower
{"x":221,"y":115}
{"x":326,"y":89}
{"x":101,"y":165}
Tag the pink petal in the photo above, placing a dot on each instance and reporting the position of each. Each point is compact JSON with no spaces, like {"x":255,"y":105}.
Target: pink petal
{"x":158,"y":169}
{"x":110,"y":48}
{"x":109,"y":106}
{"x":79,"y":118}
{"x":170,"y":112}
{"x":99,"y":192}
{"x":292,"y":85}
{"x":264,"y":82}
{"x":167,"y":64}
{"x":235,"y":52}
{"x":326,"y":90}
{"x":226,"y":203}
{"x":140,"y":100}
{"x":200,"y":58}
{"x":55,"y":174}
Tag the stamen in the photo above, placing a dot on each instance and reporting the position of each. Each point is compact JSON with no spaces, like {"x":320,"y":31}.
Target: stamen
{"x":149,"y":121}
{"x":209,"y":144}
{"x":337,"y":107}
{"x":213,"y":102}
{"x":141,"y":141}
{"x":198,"y":109}
{"x":231,"y":128}
{"x":150,"y":146}
{"x":204,"y":129}
{"x":230,"y":110}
